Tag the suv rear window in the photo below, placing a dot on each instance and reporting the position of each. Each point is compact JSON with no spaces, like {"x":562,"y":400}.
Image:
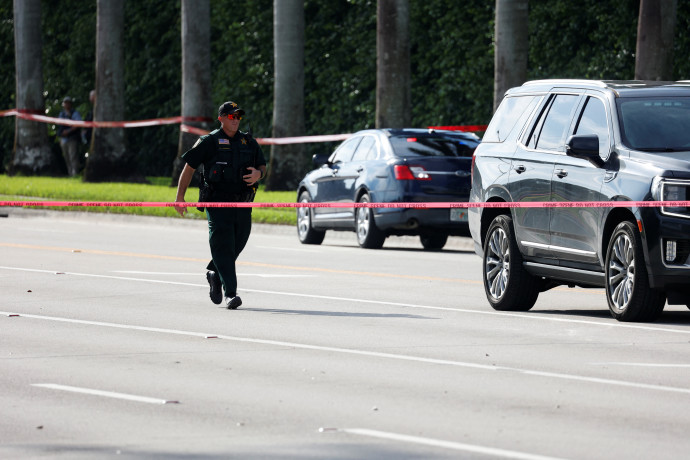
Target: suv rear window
{"x":655,"y":124}
{"x":426,"y":146}
{"x":506,"y":117}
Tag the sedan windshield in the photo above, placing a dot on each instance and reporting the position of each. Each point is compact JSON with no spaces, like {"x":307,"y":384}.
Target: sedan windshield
{"x":655,"y":124}
{"x":412,"y":146}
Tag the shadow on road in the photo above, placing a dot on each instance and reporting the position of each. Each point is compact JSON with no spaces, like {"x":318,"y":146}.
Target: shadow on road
{"x":336,"y":313}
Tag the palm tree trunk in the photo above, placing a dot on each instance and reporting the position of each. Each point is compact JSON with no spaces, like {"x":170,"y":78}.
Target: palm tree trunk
{"x":655,"y":29}
{"x":287,"y":161}
{"x":196,"y":73}
{"x":108,"y":159}
{"x":393,"y":87}
{"x":32,"y":153}
{"x":512,"y":46}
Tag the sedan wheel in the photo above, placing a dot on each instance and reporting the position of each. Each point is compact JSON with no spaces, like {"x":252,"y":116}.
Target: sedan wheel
{"x":368,"y":234}
{"x":433,"y":242}
{"x":627,"y":285}
{"x":507,"y":285}
{"x":305,"y":231}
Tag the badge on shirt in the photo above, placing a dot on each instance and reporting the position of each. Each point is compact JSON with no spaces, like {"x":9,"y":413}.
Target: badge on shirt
{"x":223,"y":141}
{"x":244,"y":141}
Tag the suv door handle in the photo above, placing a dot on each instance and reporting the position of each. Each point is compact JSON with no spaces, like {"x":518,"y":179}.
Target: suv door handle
{"x":360,"y":169}
{"x":520,"y":169}
{"x":561,"y":173}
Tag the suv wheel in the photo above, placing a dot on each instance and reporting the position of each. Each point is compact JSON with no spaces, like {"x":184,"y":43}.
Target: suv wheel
{"x":433,"y":242}
{"x":627,"y":286}
{"x":369,"y":236}
{"x":507,"y":284}
{"x":305,"y":232}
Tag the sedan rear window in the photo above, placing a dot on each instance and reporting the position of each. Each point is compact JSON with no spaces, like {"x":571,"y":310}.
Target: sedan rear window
{"x":655,"y":124}
{"x":426,"y":146}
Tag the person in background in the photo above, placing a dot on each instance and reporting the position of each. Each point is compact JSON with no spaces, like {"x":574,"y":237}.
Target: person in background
{"x":233,"y":164}
{"x":69,"y":137}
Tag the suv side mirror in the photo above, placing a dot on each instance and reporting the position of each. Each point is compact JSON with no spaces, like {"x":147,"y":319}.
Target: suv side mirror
{"x":585,"y":146}
{"x":319,"y":159}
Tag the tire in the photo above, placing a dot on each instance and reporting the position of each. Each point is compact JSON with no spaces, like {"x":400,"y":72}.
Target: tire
{"x":369,"y":236}
{"x":627,"y":285}
{"x":305,"y":231}
{"x":434,"y":241}
{"x":508,"y":286}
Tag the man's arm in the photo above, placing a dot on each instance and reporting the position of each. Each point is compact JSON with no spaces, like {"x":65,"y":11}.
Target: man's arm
{"x":182,"y":184}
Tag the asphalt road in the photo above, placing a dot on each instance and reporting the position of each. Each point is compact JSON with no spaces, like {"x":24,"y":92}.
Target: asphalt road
{"x":111,"y":348}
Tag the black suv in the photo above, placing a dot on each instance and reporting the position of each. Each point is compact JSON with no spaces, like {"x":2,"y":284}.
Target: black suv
{"x":577,"y":141}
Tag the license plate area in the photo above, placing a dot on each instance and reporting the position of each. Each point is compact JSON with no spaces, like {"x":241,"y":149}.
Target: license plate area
{"x":458,"y":214}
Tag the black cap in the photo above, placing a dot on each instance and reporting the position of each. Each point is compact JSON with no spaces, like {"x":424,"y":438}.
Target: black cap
{"x":229,"y":107}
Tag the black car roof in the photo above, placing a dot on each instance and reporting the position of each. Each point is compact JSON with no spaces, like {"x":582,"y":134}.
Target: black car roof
{"x":420,"y":132}
{"x":621,"y":88}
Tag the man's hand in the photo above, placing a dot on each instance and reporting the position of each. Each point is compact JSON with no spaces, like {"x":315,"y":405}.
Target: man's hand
{"x":181,"y":210}
{"x":253,"y":176}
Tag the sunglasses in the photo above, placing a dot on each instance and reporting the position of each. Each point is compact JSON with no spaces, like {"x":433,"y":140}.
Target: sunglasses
{"x":234,"y":116}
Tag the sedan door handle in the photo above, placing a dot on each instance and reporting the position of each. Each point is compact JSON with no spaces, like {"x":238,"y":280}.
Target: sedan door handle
{"x":520,"y":169}
{"x":360,"y":169}
{"x":561,"y":173}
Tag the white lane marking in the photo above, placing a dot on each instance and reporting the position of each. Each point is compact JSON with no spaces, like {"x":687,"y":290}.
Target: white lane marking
{"x":135,"y":272}
{"x":445,"y":444}
{"x":670,"y":365}
{"x":107,"y":394}
{"x":260,"y":275}
{"x":609,"y":323}
{"x":374,"y":354}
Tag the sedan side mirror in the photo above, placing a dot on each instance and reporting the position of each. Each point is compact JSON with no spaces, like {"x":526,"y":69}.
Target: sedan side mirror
{"x":585,"y":146}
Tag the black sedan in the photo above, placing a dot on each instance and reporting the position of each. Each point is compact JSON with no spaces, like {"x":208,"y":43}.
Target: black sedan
{"x":390,"y":166}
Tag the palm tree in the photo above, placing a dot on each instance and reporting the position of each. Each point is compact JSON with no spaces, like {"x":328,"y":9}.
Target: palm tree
{"x":286,"y":161}
{"x":393,"y":87}
{"x":655,"y":29}
{"x":32,"y":153}
{"x":511,"y":46}
{"x":196,"y":73}
{"x":108,"y":158}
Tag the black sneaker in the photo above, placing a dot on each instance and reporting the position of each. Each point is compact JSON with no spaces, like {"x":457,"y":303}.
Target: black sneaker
{"x":233,"y":302}
{"x":216,"y":288}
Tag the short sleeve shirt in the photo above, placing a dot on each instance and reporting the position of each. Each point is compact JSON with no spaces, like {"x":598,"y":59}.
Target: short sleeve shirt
{"x":237,"y":152}
{"x":205,"y":150}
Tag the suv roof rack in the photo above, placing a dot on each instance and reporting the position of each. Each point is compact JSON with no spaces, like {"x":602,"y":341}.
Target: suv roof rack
{"x":566,"y":81}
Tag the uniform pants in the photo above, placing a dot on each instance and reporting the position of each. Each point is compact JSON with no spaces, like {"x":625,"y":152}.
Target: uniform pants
{"x":70,"y":151}
{"x":228,"y":232}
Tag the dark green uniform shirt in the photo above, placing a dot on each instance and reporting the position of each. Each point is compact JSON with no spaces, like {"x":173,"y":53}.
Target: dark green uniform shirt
{"x":225,"y":160}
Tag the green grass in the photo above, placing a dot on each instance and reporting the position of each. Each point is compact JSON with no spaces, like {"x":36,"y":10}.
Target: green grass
{"x":73,"y":189}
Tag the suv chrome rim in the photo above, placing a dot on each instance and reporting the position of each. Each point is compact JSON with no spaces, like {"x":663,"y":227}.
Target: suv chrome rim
{"x":621,"y":272}
{"x":497,"y":265}
{"x":303,"y":219}
{"x":362,"y":224}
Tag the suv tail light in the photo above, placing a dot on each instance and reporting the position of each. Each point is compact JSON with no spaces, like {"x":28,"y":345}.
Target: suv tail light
{"x":405,"y":172}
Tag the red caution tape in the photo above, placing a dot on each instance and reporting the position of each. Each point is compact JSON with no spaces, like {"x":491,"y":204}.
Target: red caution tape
{"x":277,"y":140}
{"x":424,"y":205}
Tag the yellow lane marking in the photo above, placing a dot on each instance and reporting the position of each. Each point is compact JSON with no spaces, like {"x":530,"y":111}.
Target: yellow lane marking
{"x":247,"y":264}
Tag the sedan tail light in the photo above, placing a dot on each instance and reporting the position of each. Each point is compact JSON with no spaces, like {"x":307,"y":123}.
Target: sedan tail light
{"x":405,"y":172}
